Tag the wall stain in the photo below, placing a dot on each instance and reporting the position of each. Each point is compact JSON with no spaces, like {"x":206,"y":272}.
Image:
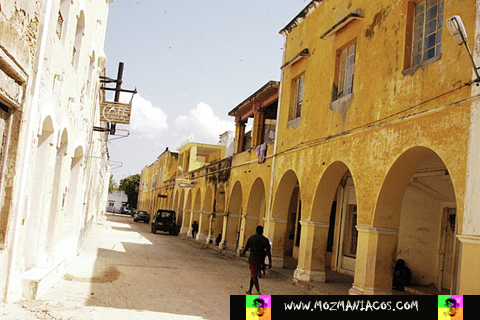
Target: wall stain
{"x":109,"y":275}
{"x":377,"y":21}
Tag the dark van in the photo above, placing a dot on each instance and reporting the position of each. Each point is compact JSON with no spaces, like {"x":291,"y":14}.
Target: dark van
{"x":164,"y":220}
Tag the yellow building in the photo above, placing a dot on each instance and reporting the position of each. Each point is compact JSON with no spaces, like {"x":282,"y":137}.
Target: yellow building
{"x":172,"y":180}
{"x":366,"y":152}
{"x":155,"y":191}
{"x":373,"y":145}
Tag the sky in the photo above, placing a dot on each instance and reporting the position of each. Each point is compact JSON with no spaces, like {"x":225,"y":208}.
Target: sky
{"x":192,"y":61}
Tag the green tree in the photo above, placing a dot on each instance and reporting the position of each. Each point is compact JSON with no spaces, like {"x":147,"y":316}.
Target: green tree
{"x":112,"y":185}
{"x":130,"y":186}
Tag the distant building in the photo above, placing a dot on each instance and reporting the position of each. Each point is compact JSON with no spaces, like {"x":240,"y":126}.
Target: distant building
{"x":116,"y":200}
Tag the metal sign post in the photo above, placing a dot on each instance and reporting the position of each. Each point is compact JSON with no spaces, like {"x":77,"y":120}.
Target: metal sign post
{"x":116,"y":112}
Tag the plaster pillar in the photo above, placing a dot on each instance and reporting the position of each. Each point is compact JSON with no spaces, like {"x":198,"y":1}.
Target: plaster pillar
{"x":257,"y":130}
{"x":222,"y":243}
{"x":229,"y":238}
{"x":239,"y":135}
{"x":276,"y":233}
{"x":251,"y":223}
{"x":203,"y":226}
{"x":313,"y":252}
{"x":189,"y":224}
{"x":467,"y":265}
{"x":185,"y":222}
{"x":467,"y":247}
{"x":241,"y":237}
{"x":374,"y":262}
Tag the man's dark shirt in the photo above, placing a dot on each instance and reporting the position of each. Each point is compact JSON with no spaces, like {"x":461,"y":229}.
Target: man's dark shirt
{"x":259,"y":247}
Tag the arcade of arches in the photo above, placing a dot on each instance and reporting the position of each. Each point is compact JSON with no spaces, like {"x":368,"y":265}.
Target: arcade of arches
{"x":338,"y":224}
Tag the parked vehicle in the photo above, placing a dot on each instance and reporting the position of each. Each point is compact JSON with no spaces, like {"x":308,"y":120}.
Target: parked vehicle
{"x":164,"y":220}
{"x":124,"y":210}
{"x":142,"y":216}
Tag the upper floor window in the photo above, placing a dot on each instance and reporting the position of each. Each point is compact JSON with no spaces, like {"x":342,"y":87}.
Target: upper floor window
{"x":346,"y":71}
{"x":298,"y":85}
{"x":427,"y":30}
{"x":79,"y":33}
{"x":59,"y":25}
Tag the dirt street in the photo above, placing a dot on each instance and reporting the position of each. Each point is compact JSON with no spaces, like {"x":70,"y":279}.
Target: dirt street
{"x":125,"y":272}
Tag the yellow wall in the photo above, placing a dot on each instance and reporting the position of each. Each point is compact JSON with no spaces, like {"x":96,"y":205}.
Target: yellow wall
{"x":164,"y":168}
{"x":380,"y":88}
{"x":397,"y":120}
{"x":396,"y":113}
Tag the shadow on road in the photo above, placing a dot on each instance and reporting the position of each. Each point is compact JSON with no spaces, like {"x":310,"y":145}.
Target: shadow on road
{"x":143,"y":271}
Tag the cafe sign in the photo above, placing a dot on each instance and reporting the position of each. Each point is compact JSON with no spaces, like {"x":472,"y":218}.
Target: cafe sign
{"x":186,"y":185}
{"x":115,"y":112}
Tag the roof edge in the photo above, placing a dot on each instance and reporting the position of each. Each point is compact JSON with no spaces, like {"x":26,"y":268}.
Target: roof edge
{"x":301,"y":16}
{"x":270,"y":83}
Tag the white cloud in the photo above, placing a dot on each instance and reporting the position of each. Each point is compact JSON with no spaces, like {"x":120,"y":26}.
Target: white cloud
{"x":149,"y":135}
{"x":201,"y":125}
{"x":147,"y":120}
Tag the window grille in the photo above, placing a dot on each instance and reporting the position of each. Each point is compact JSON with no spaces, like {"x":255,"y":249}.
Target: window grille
{"x":59,"y":25}
{"x":346,"y":71}
{"x":299,"y":85}
{"x":427,"y":30}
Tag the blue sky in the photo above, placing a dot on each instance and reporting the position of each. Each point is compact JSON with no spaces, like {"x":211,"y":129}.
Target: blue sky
{"x":192,"y":61}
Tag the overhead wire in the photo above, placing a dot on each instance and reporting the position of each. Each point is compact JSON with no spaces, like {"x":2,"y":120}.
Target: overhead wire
{"x":381,"y":121}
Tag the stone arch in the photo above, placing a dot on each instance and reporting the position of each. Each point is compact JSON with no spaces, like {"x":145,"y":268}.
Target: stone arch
{"x":255,"y":213}
{"x":414,"y":220}
{"x":207,"y":208}
{"x":57,"y":204}
{"x":219,"y":209}
{"x":92,"y":66}
{"x":196,"y":210}
{"x":330,"y":227}
{"x":187,"y":213}
{"x":388,"y":207}
{"x":64,"y":12}
{"x":73,"y":190}
{"x":180,"y":205}
{"x":79,"y":33}
{"x":285,"y":216}
{"x":234,"y":215}
{"x":40,"y":188}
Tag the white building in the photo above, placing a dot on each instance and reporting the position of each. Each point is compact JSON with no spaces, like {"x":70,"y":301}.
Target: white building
{"x":116,"y":200}
{"x":54,"y":166}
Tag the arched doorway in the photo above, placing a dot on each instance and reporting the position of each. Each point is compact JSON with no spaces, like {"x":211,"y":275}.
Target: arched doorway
{"x":330,"y":234}
{"x":204,"y":223}
{"x":74,"y":192}
{"x":427,"y":225}
{"x":32,"y":230}
{"x":195,"y":216}
{"x":255,"y":212}
{"x":218,"y":214}
{"x":187,"y":214}
{"x":286,"y":217}
{"x":415,"y":220}
{"x":58,"y":191}
{"x":233,"y":219}
{"x":180,"y":202}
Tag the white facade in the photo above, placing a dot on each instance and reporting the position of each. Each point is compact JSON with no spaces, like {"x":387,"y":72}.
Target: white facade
{"x":116,"y":200}
{"x":60,"y":169}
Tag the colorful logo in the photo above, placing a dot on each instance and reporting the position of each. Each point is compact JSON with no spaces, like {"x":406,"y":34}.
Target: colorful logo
{"x":450,"y":307}
{"x":259,"y":307}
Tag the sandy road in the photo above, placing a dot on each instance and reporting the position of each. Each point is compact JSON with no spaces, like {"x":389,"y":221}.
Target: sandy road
{"x":125,"y":272}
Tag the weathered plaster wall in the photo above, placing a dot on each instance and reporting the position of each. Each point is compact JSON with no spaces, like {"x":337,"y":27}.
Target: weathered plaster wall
{"x":19,"y":22}
{"x":380,"y":88}
{"x":394,"y":110}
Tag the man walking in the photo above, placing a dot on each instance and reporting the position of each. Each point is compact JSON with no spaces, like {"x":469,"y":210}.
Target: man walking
{"x":259,"y":248}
